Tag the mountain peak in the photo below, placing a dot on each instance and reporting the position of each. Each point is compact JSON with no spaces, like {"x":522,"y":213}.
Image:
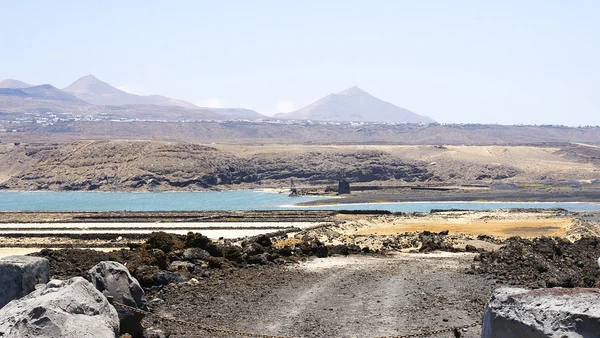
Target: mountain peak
{"x":95,"y":91}
{"x":353,"y":91}
{"x":89,"y":77}
{"x":354,"y":104}
{"x":91,"y":84}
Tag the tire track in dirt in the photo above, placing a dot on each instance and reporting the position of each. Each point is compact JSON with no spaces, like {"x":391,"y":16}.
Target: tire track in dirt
{"x":378,"y":296}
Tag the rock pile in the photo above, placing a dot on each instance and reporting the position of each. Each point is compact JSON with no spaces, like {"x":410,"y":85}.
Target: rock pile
{"x":167,"y":258}
{"x":543,"y":262}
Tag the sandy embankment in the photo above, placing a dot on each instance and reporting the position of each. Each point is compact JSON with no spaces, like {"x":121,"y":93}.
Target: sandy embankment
{"x":481,"y":223}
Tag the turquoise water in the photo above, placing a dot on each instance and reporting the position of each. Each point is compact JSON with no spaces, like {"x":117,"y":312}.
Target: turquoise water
{"x":143,"y":201}
{"x":227,"y":200}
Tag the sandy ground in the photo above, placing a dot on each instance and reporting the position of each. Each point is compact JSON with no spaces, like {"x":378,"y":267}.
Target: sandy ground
{"x":500,"y":224}
{"x":456,"y":229}
{"x":336,"y":297}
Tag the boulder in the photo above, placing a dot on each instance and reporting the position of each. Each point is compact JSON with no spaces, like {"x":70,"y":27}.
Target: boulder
{"x":340,"y":249}
{"x":192,"y":254}
{"x":261,"y":259}
{"x":114,"y":280}
{"x":557,"y":312}
{"x":182,"y":266}
{"x":19,"y":276}
{"x":233,"y":253}
{"x":164,"y":277}
{"x":147,"y":275}
{"x":319,"y":249}
{"x":69,"y":309}
{"x":197,"y":240}
{"x":264,"y":240}
{"x":254,"y":249}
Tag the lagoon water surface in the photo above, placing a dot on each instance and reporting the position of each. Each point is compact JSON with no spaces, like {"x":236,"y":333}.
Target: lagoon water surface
{"x":230,"y":200}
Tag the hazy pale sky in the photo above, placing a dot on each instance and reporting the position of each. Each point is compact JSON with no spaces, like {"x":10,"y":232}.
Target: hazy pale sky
{"x":509,"y":62}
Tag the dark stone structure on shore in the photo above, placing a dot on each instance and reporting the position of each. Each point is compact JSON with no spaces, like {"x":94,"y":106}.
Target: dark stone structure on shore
{"x":344,"y":187}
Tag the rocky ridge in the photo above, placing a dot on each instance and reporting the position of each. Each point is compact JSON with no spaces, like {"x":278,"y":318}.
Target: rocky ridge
{"x":122,"y":165}
{"x":152,"y":165}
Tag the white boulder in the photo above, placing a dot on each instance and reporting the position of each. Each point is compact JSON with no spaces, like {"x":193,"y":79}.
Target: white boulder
{"x":556,"y":312}
{"x":69,"y":309}
{"x":20,"y":274}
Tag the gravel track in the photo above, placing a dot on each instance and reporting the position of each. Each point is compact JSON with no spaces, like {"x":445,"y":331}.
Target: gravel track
{"x":355,"y":296}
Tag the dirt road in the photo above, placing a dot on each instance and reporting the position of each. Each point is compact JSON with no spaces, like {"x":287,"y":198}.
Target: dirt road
{"x":356,"y":296}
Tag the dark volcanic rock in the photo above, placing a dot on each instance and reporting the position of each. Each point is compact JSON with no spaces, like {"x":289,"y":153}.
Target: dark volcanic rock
{"x":319,"y":249}
{"x":341,"y":249}
{"x":431,"y":241}
{"x":544,"y":262}
{"x":164,"y":242}
{"x":164,"y":277}
{"x":194,"y":254}
{"x":67,"y":263}
{"x":114,"y":280}
{"x":147,"y":275}
{"x":197,"y":240}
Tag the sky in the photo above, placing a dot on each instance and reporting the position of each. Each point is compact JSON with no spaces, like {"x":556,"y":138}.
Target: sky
{"x":507,"y":62}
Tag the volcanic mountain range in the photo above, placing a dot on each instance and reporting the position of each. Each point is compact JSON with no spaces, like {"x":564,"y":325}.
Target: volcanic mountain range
{"x":91,"y":96}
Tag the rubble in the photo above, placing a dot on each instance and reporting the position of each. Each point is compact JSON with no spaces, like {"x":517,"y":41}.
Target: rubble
{"x":543,"y":262}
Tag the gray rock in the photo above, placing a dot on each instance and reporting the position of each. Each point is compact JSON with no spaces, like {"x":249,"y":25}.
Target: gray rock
{"x":114,"y":280}
{"x":69,"y":309}
{"x":182,"y":266}
{"x":191,"y":254}
{"x":167,"y":277}
{"x":155,"y":333}
{"x":19,"y":276}
{"x":556,"y":312}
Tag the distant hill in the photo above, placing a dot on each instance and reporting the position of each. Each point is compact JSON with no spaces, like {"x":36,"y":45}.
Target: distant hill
{"x":47,"y":98}
{"x":235,"y":113}
{"x":94,"y":91}
{"x":50,"y":92}
{"x":45,"y":92}
{"x":90,"y":96}
{"x":11,"y":83}
{"x":354,"y":104}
